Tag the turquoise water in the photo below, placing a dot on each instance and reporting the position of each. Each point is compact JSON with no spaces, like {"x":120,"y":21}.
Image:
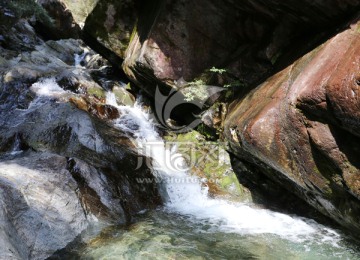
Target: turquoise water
{"x":161,"y":234}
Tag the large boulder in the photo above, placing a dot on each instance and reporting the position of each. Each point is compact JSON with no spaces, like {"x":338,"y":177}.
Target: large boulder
{"x":40,"y":209}
{"x":164,"y":41}
{"x":300,"y":129}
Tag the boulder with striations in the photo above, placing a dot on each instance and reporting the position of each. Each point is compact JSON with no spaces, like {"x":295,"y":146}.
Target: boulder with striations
{"x":300,"y":129}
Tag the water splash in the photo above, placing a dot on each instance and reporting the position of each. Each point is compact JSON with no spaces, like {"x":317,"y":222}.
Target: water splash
{"x":47,"y":87}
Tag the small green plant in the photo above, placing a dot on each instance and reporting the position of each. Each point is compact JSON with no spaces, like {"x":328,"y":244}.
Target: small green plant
{"x":216,"y":70}
{"x":195,"y":89}
{"x":235,"y":83}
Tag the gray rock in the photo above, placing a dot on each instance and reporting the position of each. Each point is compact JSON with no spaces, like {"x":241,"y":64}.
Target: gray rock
{"x":40,"y":208}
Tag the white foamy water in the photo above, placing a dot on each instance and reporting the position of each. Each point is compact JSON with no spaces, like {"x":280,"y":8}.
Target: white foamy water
{"x":47,"y":87}
{"x":79,"y":58}
{"x":191,"y":198}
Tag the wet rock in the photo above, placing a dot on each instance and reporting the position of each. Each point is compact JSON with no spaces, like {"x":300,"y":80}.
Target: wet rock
{"x":111,"y":23}
{"x":123,"y":96}
{"x":214,"y":116}
{"x":80,"y":9}
{"x":96,"y":108}
{"x":19,"y":37}
{"x":12,"y":12}
{"x":300,"y":129}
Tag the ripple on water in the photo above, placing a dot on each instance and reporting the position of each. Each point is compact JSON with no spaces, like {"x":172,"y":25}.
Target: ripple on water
{"x":163,"y":235}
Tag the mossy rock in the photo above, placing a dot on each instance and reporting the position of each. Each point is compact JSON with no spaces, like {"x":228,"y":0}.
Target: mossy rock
{"x":96,"y":91}
{"x":209,"y":160}
{"x":123,"y":96}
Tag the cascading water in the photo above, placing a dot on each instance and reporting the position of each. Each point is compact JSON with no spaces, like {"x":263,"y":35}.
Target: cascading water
{"x":186,"y":195}
{"x":193,"y":226}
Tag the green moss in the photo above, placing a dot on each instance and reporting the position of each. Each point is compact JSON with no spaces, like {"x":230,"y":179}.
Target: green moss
{"x":98,"y":92}
{"x":210,"y":161}
{"x":123,"y":96}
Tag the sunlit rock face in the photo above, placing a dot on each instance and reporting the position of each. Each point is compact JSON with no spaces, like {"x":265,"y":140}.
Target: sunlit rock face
{"x":63,"y":166}
{"x":163,"y":41}
{"x":300,"y":129}
{"x":40,"y":209}
{"x":80,"y":9}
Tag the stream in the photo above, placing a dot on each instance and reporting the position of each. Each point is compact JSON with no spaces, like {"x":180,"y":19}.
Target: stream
{"x":193,"y":225}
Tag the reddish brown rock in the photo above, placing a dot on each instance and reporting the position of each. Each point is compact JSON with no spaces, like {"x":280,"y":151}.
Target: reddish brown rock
{"x":95,"y":107}
{"x":301,"y":128}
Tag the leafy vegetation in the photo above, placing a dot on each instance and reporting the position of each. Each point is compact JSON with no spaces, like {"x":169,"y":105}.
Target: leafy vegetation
{"x":195,"y":90}
{"x":216,"y":70}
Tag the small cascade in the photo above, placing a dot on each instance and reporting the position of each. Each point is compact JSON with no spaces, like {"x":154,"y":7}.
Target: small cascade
{"x":186,"y":195}
{"x":16,"y":147}
{"x":45,"y":88}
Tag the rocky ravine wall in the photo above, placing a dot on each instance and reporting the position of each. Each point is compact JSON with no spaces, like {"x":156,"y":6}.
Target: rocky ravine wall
{"x":299,"y":129}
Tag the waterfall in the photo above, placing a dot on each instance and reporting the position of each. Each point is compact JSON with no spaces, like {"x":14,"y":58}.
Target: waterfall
{"x":185,"y":195}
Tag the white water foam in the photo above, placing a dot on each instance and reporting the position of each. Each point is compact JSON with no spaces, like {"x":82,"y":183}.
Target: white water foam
{"x":44,"y":89}
{"x":191,"y":198}
{"x":47,"y":87}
